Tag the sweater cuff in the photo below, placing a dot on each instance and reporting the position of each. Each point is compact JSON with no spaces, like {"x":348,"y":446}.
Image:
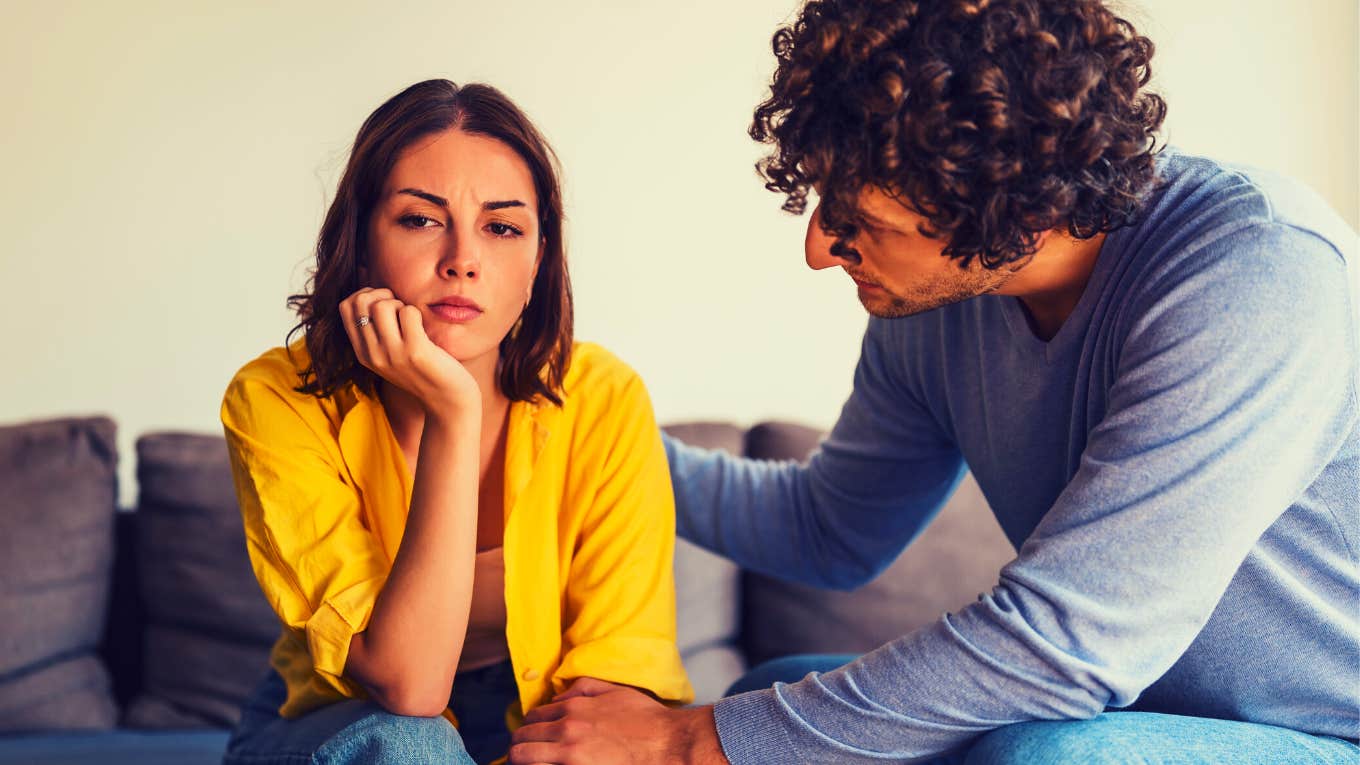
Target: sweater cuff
{"x":751,"y":729}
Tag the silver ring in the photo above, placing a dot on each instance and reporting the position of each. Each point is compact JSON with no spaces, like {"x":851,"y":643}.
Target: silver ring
{"x":361,"y":322}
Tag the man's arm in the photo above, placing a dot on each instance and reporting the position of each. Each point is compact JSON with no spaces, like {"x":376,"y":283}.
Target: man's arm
{"x":876,"y":481}
{"x":1231,"y":395}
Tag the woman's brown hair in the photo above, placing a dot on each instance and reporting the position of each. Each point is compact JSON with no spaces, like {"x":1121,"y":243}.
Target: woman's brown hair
{"x":533,"y":358}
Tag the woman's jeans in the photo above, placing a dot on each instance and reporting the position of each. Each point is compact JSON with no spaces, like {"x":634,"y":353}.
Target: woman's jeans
{"x":1112,"y":738}
{"x":355,"y":731}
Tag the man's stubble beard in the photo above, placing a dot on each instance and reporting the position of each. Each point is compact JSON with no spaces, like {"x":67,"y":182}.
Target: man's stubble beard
{"x":969,"y":283}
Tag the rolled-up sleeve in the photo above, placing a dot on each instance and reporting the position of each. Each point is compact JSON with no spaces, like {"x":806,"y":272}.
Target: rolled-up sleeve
{"x":319,"y":565}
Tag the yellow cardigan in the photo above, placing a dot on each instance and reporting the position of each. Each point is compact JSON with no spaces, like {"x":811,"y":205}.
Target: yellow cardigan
{"x":589,"y":528}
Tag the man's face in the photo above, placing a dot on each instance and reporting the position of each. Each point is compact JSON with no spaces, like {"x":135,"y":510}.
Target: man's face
{"x":900,"y":272}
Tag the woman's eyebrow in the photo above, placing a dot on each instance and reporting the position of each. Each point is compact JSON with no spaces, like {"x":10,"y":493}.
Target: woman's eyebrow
{"x":427,"y":196}
{"x":499,"y":204}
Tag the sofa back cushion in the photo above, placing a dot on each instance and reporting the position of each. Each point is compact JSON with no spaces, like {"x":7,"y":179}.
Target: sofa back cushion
{"x":58,"y":496}
{"x":957,"y":557}
{"x":708,"y":588}
{"x":208,"y":629}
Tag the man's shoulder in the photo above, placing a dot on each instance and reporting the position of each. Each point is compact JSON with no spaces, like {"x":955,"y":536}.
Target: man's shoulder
{"x":1200,"y":201}
{"x":1291,"y":203}
{"x":1243,"y":260}
{"x":1211,"y":232}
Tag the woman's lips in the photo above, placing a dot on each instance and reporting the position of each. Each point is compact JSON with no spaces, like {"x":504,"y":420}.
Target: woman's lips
{"x":455,"y":313}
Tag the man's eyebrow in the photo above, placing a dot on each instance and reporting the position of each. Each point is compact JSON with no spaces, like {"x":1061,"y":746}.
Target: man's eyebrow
{"x":874,"y":221}
{"x":499,"y":204}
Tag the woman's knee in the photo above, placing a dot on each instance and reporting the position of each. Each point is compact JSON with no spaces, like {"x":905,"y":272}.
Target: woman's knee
{"x":383,"y":738}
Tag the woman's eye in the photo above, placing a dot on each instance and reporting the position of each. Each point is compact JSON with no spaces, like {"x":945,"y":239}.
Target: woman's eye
{"x":417,"y":221}
{"x":503,"y":229}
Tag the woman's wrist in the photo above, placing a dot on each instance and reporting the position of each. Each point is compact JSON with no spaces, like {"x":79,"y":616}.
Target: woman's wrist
{"x":454,"y":420}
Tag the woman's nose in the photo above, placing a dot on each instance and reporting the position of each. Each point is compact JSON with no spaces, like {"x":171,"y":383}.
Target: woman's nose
{"x":461,"y":259}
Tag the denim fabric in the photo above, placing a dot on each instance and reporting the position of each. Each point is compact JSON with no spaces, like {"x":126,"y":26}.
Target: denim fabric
{"x":479,"y":701}
{"x":788,"y":669}
{"x":1149,"y":738}
{"x":359,"y":732}
{"x":1112,"y":738}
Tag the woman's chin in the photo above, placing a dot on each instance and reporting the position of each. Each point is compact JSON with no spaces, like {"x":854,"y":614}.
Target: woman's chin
{"x":464,"y":349}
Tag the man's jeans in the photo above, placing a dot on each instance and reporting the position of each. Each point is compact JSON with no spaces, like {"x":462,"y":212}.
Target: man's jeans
{"x":355,"y":732}
{"x":1113,"y":738}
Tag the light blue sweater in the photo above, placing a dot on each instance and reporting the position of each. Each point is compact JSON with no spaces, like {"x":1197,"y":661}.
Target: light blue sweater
{"x":1179,"y":468}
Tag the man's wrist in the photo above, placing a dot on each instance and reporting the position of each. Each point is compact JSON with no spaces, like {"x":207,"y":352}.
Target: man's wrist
{"x":701,"y":743}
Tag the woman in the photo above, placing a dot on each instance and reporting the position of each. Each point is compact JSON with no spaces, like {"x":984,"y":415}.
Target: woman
{"x":455,"y":511}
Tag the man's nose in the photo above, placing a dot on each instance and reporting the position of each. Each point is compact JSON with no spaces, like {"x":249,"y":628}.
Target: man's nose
{"x":817,"y":244}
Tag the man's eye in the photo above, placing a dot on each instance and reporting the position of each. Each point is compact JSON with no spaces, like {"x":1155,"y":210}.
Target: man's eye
{"x":417,"y":221}
{"x":503,"y":229}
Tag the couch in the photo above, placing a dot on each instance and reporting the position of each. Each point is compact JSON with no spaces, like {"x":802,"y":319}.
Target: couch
{"x":131,"y":634}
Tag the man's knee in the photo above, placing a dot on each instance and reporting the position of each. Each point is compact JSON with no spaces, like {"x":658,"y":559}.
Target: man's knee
{"x":1050,"y":743}
{"x":387,"y":739}
{"x":787,"y":669}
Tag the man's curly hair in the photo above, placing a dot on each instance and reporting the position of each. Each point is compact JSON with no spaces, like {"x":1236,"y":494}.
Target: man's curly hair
{"x":995,"y":120}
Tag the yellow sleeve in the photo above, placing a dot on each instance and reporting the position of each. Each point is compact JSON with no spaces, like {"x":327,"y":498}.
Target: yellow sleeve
{"x":318,"y":564}
{"x":620,"y":600}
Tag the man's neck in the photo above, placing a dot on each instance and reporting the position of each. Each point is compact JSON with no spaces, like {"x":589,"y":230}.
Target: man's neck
{"x":1050,"y":285}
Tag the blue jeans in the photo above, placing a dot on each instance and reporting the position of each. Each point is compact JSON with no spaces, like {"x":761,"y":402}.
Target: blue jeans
{"x":353,"y":732}
{"x":1112,"y":738}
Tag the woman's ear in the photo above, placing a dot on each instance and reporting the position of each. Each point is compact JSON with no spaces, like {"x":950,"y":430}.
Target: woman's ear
{"x":533,"y":275}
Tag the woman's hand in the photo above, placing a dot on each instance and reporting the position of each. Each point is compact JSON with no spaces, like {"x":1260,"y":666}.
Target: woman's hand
{"x":392,"y":342}
{"x":408,"y":655}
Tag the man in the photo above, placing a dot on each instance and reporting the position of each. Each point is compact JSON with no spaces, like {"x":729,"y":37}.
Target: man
{"x":1149,"y":361}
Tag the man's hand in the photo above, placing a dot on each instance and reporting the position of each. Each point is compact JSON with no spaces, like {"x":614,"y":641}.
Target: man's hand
{"x":599,"y":723}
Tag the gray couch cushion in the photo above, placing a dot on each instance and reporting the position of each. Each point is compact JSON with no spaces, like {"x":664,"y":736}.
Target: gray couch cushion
{"x":59,"y":495}
{"x":208,"y":627}
{"x":955,"y":559}
{"x":707,"y":589}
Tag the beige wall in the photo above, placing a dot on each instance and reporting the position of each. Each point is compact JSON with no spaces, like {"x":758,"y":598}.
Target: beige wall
{"x":1265,"y":83}
{"x":165,"y":171}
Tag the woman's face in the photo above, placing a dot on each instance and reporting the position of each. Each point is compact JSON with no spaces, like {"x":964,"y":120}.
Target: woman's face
{"x":455,"y":233}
